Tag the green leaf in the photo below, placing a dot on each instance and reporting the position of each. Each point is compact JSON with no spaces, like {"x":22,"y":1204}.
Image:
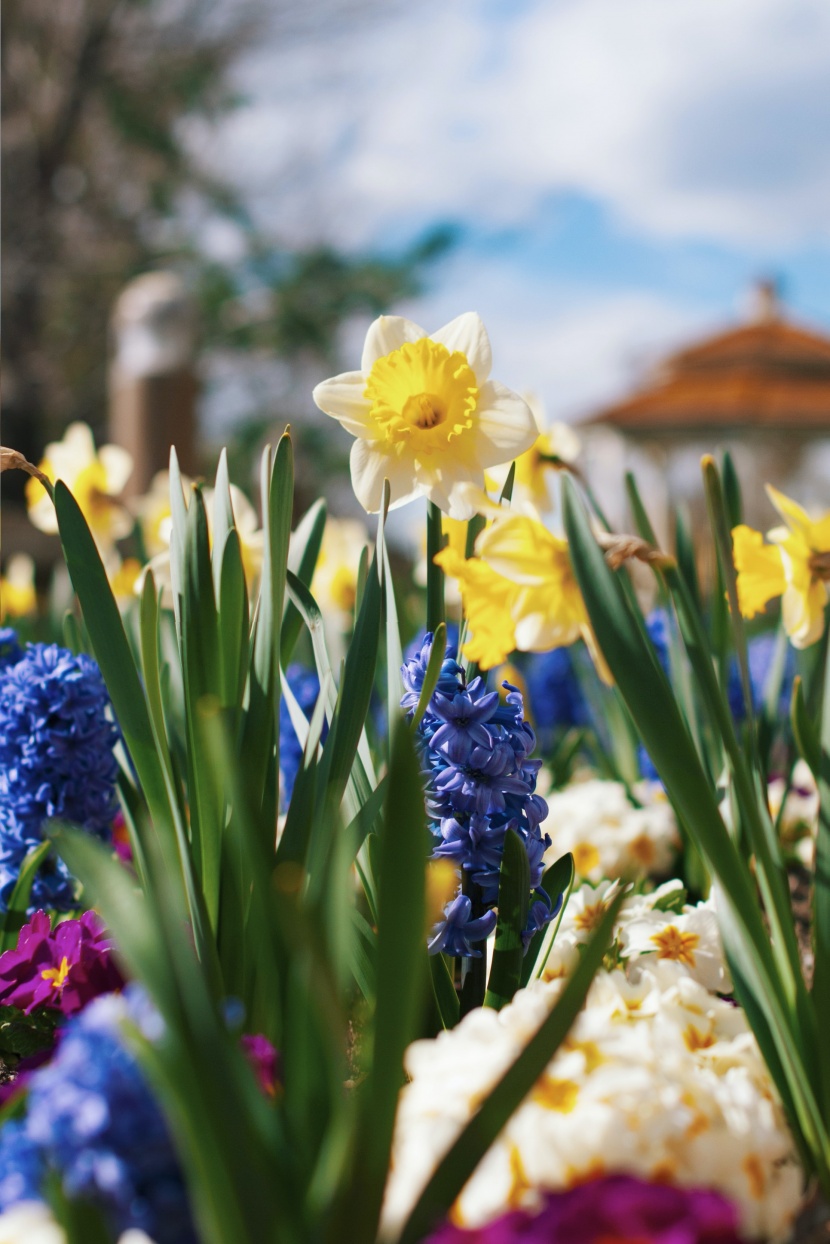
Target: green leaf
{"x":444,"y":991}
{"x":435,"y":575}
{"x":305,"y":549}
{"x":433,"y":673}
{"x":14,"y":917}
{"x":22,"y":1035}
{"x":507,"y":1095}
{"x":514,"y":892}
{"x":821,"y":886}
{"x":401,"y":978}
{"x":113,"y":653}
{"x":558,"y":879}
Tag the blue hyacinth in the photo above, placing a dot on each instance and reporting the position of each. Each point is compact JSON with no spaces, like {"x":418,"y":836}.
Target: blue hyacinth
{"x":306,"y":687}
{"x":92,"y":1119}
{"x":10,"y":650}
{"x":556,"y":698}
{"x":476,"y":751}
{"x":657,"y":625}
{"x":760,"y":654}
{"x":57,"y":738}
{"x":22,"y":1166}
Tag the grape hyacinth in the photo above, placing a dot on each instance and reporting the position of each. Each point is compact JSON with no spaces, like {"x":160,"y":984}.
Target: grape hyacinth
{"x":556,"y":698}
{"x":476,"y":752}
{"x":57,"y":738}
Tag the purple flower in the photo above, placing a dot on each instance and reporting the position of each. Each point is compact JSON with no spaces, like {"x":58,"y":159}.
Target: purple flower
{"x":617,"y":1208}
{"x":462,"y":727}
{"x":455,"y":934}
{"x":63,"y":970}
{"x":265,"y":1061}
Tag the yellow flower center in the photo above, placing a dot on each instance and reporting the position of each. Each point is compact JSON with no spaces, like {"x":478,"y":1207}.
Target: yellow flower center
{"x":343,"y":588}
{"x":590,"y":916}
{"x":586,"y":858}
{"x":559,"y":1095}
{"x":672,"y":944}
{"x":422,"y":396}
{"x":57,"y":975}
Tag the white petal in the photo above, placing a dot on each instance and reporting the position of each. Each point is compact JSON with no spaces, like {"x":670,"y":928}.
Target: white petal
{"x":456,"y":492}
{"x":118,"y":466}
{"x":387,"y":333}
{"x":504,"y":426}
{"x":370,"y":467}
{"x":468,"y":334}
{"x":342,"y":398}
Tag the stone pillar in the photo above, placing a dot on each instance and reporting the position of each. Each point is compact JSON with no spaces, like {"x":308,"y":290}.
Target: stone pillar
{"x":153,"y":385}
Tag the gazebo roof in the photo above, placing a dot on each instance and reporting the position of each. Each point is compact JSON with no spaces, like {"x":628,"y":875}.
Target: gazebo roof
{"x":768,"y":373}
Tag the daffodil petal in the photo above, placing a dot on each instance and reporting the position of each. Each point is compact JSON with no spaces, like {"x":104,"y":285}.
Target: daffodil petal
{"x":793,"y":515}
{"x":467,"y":334}
{"x":388,"y":333}
{"x":505,"y":426}
{"x":760,"y":570}
{"x":457,"y":496}
{"x":514,"y":546}
{"x":118,"y":465}
{"x":370,"y":467}
{"x":342,"y":397}
{"x":803,"y":614}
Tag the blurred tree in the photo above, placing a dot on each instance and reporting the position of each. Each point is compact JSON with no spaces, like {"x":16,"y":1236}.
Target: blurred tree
{"x":100,"y":184}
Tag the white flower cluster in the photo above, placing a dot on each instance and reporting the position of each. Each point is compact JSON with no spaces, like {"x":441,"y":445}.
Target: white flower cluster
{"x":658,"y":1078}
{"x":607,"y":835}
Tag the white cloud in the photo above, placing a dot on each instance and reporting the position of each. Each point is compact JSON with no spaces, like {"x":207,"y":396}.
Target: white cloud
{"x":698,"y":118}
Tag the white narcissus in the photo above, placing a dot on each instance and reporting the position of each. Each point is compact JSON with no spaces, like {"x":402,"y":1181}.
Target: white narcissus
{"x":425,"y":414}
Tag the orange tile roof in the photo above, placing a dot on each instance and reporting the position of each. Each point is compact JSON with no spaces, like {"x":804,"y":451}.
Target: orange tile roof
{"x":767,"y":374}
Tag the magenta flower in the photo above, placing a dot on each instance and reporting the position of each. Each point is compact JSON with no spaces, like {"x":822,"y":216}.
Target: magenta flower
{"x":617,"y":1209}
{"x":265,"y":1061}
{"x":62,"y":970}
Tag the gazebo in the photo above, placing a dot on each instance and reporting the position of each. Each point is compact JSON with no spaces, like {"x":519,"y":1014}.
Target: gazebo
{"x":761,"y":390}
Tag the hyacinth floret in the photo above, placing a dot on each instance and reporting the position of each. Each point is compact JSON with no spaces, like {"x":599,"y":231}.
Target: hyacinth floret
{"x":57,"y":740}
{"x":97,"y":1125}
{"x":22,"y":1166}
{"x":10,"y":650}
{"x":476,"y":755}
{"x":305,"y":685}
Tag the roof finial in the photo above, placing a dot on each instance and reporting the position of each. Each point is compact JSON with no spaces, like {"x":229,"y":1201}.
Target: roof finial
{"x":766,"y":302}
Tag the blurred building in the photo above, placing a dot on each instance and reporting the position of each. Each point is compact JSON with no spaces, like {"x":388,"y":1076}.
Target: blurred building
{"x":760,"y":390}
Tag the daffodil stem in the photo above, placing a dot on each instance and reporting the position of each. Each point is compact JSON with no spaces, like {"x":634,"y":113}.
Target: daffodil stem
{"x":435,"y":575}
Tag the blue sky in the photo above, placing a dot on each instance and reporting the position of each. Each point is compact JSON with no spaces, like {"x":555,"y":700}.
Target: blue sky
{"x":620,"y":171}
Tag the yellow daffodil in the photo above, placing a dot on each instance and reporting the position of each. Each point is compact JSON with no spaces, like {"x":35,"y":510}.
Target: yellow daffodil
{"x":334,"y":585}
{"x":425,"y":414}
{"x":247,"y":528}
{"x":95,"y":479}
{"x":794,"y":566}
{"x":519,"y":592}
{"x":17,"y":588}
{"x":760,"y":571}
{"x":153,"y":513}
{"x":489,"y":601}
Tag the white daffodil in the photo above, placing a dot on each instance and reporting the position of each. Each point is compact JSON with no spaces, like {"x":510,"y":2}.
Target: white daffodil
{"x":425,"y":414}
{"x":95,"y":479}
